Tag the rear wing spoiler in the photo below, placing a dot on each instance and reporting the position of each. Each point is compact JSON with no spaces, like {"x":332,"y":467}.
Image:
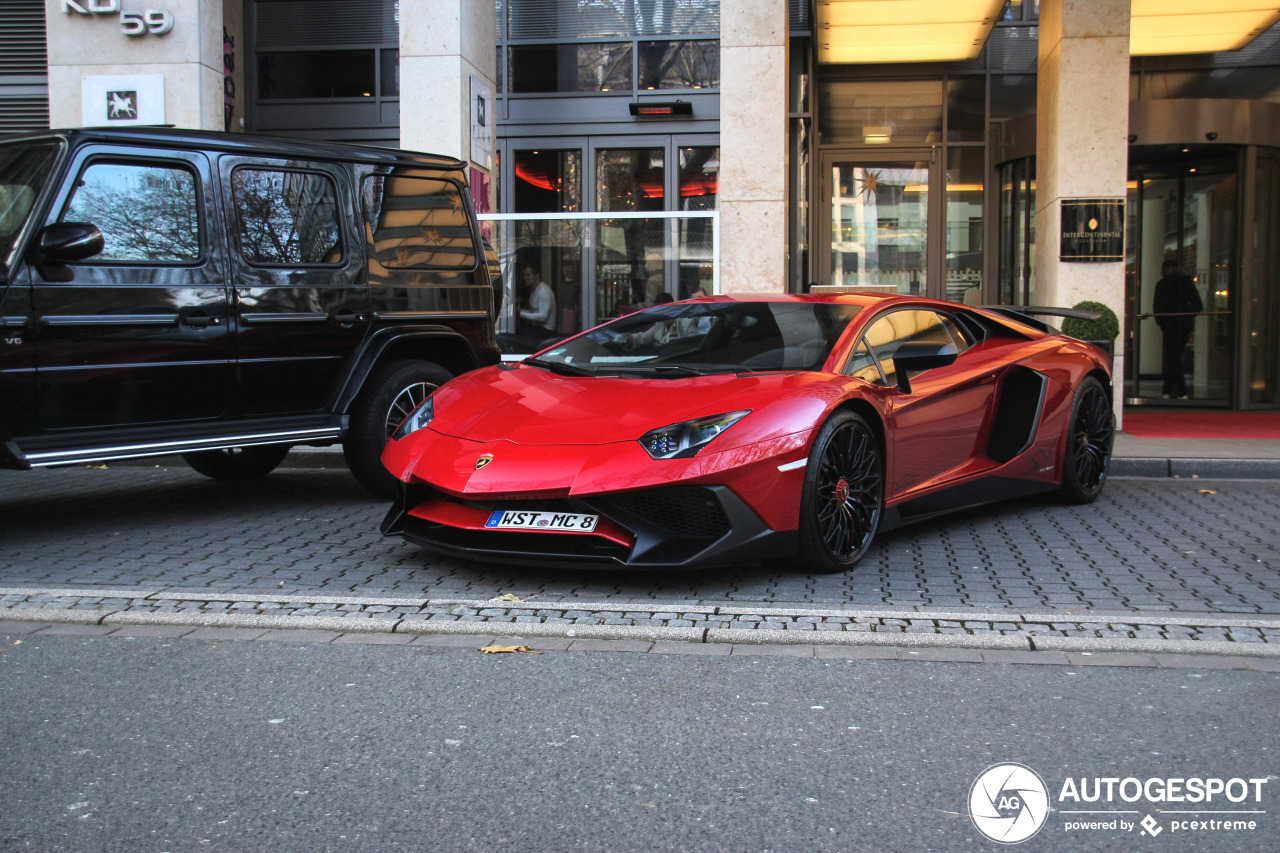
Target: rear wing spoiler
{"x":1027,"y":314}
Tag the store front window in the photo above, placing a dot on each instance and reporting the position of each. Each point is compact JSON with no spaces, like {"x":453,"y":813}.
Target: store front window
{"x":610,"y":229}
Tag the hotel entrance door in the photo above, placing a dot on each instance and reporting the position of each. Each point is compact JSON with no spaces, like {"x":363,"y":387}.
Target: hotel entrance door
{"x":877,"y":221}
{"x":1181,"y":277}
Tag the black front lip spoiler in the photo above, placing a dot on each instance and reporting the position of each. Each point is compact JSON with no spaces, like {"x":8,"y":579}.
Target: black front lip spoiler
{"x":747,"y":541}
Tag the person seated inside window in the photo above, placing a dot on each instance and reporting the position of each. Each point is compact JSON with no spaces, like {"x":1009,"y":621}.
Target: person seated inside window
{"x":538,"y":319}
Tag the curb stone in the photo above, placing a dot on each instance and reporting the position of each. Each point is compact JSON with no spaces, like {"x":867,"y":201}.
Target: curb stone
{"x":927,"y":629}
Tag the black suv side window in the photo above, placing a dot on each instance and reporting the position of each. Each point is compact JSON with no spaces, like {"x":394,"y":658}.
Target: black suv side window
{"x":147,"y":213}
{"x":419,"y":223}
{"x":287,"y":217}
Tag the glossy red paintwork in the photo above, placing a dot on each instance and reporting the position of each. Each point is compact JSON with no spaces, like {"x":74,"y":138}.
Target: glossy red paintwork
{"x":555,"y":436}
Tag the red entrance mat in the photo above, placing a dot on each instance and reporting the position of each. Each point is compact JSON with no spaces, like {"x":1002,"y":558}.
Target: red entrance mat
{"x":1254,"y":425}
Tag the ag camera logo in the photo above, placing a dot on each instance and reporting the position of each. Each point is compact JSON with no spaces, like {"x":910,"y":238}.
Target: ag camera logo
{"x":1008,"y":803}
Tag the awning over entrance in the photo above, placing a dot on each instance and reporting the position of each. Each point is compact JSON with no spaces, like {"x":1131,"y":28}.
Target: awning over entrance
{"x":893,"y":31}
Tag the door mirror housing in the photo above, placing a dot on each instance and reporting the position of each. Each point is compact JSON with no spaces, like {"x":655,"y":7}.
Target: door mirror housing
{"x":64,"y":242}
{"x":915,"y":356}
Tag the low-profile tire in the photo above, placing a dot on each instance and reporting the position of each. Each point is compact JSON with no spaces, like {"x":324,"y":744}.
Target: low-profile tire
{"x":238,"y":463}
{"x":1090,"y":435}
{"x":843,"y":494}
{"x":392,"y":391}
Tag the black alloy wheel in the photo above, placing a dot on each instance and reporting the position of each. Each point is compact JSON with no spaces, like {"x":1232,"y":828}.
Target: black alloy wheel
{"x":1089,"y":439}
{"x":843,"y":494}
{"x":393,"y":391}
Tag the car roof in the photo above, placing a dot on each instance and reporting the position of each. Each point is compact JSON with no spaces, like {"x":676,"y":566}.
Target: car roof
{"x":241,"y":142}
{"x":864,"y":299}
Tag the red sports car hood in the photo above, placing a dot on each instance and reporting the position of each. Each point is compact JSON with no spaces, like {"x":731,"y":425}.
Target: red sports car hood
{"x":531,"y":406}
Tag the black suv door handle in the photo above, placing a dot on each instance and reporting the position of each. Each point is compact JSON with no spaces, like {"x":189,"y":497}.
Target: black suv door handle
{"x":346,"y":318}
{"x":201,"y":320}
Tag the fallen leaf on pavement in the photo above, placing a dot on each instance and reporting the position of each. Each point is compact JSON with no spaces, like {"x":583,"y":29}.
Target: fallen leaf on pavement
{"x":494,"y":650}
{"x":507,"y":597}
{"x":1207,"y":492}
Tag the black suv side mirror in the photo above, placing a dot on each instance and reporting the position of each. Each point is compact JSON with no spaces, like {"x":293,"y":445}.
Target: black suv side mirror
{"x":63,"y":242}
{"x":914,"y":356}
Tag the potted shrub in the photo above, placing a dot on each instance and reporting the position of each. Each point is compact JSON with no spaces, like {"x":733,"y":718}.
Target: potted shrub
{"x":1101,"y":332}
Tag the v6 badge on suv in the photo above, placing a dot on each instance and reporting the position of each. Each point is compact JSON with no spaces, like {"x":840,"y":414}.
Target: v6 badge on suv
{"x":224,"y":297}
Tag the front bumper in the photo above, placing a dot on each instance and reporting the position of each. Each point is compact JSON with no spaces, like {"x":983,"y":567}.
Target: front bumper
{"x":671,"y":527}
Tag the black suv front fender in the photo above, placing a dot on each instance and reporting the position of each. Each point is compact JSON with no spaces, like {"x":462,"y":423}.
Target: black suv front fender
{"x":445,"y":346}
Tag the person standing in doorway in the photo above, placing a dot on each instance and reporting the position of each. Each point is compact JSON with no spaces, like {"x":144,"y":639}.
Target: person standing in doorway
{"x":1175,"y":306}
{"x":538,"y":319}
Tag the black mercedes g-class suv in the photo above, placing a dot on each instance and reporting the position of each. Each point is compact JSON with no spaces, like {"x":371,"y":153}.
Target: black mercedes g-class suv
{"x":226,"y":296}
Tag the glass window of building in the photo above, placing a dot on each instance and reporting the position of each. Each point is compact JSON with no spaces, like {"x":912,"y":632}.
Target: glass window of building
{"x":326,"y":69}
{"x":631,"y":253}
{"x":879,"y":225}
{"x":679,"y":64}
{"x":548,"y":181}
{"x":602,"y":67}
{"x":317,"y":74}
{"x":565,"y":46}
{"x":699,"y":187}
{"x":880,"y":112}
{"x":964,"y":199}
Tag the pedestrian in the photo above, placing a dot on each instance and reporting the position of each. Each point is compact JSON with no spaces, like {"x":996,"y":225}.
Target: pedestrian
{"x":1175,"y":307}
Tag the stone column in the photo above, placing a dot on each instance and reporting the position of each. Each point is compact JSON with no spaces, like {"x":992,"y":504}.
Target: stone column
{"x":87,"y":39}
{"x":753,"y":146}
{"x":1082,"y":127}
{"x":443,"y":45}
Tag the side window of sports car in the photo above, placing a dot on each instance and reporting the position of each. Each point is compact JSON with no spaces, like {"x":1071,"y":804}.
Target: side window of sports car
{"x":862,"y":364}
{"x":893,"y":330}
{"x":959,"y":335}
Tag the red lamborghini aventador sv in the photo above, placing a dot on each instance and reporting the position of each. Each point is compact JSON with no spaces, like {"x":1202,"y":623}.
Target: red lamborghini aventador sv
{"x":732,"y":429}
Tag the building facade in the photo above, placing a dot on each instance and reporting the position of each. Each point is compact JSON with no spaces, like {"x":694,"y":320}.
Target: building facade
{"x":620,"y":149}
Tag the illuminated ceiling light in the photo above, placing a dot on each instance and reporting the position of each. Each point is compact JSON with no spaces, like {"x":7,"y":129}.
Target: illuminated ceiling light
{"x":877,"y":135}
{"x":870,"y":31}
{"x":1159,"y":27}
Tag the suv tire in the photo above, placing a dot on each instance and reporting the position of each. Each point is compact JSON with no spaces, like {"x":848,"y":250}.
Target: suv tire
{"x":238,"y":463}
{"x":392,"y":391}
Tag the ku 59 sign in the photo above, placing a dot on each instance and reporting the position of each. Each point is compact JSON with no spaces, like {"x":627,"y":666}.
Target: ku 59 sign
{"x":154,"y":22}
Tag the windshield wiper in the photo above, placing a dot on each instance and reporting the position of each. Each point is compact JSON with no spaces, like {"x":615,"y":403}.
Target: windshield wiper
{"x":667,"y":370}
{"x":561,"y":367}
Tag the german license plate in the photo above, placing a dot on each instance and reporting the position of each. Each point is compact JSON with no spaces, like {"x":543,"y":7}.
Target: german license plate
{"x":559,"y":522}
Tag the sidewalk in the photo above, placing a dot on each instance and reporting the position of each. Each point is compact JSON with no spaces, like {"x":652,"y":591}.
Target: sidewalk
{"x":1191,"y":457}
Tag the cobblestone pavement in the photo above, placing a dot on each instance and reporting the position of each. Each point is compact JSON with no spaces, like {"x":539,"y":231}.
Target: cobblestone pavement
{"x":1159,"y":560}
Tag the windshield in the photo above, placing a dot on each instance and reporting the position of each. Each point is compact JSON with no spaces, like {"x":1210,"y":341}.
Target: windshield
{"x":694,"y":338}
{"x":23,"y":170}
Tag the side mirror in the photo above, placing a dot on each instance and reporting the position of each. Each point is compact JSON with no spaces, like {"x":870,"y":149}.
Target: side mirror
{"x":64,"y":242}
{"x":914,"y":356}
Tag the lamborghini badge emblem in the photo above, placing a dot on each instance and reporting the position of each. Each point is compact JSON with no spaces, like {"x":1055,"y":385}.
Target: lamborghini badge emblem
{"x":484,"y":460}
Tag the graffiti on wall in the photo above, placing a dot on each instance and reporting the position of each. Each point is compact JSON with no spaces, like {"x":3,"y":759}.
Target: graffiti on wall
{"x":228,"y":79}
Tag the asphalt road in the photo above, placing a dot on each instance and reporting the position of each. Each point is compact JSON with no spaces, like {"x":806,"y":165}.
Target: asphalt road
{"x":174,"y":745}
